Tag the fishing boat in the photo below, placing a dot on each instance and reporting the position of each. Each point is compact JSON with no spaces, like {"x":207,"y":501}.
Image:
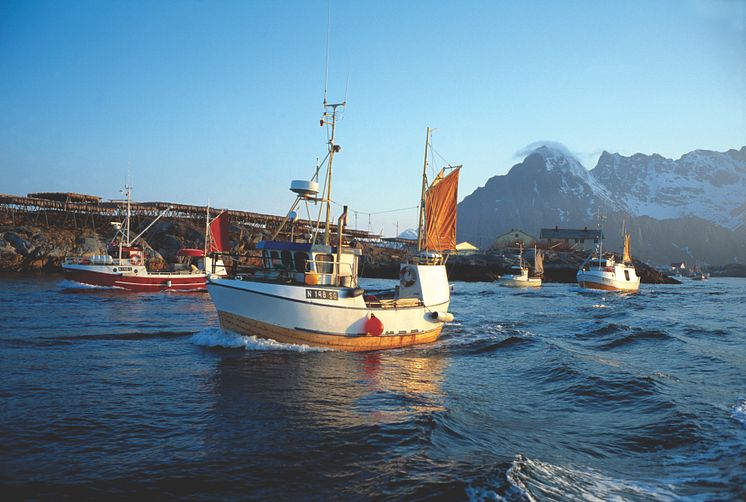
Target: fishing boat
{"x":699,"y":275}
{"x":125,"y":266}
{"x":605,"y":273}
{"x":306,"y":290}
{"x":519,"y":274}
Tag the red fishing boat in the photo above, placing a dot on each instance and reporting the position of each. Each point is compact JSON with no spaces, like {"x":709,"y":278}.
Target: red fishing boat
{"x":124,"y":266}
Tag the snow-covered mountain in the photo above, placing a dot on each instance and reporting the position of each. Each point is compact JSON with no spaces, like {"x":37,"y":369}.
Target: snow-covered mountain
{"x":409,"y":233}
{"x":669,"y":205}
{"x":702,"y":183}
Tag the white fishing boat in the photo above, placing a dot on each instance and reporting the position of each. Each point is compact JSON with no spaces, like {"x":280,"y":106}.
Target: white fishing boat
{"x":125,"y":266}
{"x":306,"y":291}
{"x":604,"y":272}
{"x":699,"y":275}
{"x":519,"y":276}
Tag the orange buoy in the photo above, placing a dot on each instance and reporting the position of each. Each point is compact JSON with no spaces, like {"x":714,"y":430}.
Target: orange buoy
{"x":373,"y":326}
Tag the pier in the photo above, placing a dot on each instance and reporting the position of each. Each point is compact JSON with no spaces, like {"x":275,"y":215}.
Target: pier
{"x":80,"y":211}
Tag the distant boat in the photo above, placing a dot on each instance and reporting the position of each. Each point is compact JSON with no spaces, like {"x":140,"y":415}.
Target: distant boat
{"x":306,"y":290}
{"x":124,"y":267}
{"x":604,"y":272}
{"x":699,"y":275}
{"x":519,"y":276}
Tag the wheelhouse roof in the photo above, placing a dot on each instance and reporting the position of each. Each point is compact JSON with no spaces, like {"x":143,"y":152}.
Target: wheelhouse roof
{"x":293,"y":246}
{"x":303,"y":246}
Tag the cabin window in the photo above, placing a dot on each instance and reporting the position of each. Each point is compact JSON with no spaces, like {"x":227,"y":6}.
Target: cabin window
{"x":266,"y":260}
{"x":300,"y":261}
{"x":325,"y":263}
{"x":275,"y":256}
{"x":626,"y":274}
{"x":287,"y":259}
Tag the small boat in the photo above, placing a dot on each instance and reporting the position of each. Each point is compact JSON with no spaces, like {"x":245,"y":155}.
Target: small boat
{"x":605,"y":273}
{"x":124,"y":266}
{"x":519,"y":276}
{"x":698,"y":274}
{"x":306,"y":291}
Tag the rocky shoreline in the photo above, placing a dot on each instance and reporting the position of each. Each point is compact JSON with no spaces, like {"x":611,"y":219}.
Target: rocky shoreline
{"x":42,"y":248}
{"x":559,"y":266}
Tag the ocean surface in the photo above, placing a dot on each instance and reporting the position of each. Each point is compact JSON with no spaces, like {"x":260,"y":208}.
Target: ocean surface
{"x":552,"y":394}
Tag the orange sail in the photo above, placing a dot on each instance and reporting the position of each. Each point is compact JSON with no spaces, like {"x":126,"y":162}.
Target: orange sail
{"x":440,"y":212}
{"x":627,"y":256}
{"x":219,"y":230}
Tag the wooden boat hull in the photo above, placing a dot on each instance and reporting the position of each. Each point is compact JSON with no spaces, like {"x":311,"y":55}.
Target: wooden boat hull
{"x":348,"y":343}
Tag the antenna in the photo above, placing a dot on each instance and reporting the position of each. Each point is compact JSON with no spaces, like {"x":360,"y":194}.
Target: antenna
{"x":328,"y":36}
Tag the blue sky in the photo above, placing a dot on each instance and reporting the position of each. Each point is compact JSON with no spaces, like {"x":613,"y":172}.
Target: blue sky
{"x":221,"y":100}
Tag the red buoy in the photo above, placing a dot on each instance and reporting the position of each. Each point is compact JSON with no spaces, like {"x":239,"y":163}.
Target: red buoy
{"x":373,"y":326}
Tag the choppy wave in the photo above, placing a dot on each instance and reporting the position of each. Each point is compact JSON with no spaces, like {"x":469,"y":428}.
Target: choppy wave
{"x":739,"y":412}
{"x":127,"y":336}
{"x":461,"y":339}
{"x":216,"y":337}
{"x":534,"y":480}
{"x":637,"y":336}
{"x":484,"y":346}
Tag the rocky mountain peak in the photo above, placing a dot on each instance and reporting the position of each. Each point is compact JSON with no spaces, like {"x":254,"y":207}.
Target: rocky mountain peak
{"x":550,"y":187}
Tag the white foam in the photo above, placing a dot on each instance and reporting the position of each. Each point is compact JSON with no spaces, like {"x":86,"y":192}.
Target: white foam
{"x":739,"y":412}
{"x":534,"y":480}
{"x":600,"y":306}
{"x":216,"y":337}
{"x":68,"y":284}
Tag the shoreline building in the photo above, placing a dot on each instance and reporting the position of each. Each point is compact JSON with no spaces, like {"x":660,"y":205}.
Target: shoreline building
{"x":514,"y":239}
{"x":571,"y":238}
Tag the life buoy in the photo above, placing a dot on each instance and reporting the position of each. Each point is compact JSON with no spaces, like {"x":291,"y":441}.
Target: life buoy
{"x":407,"y":276}
{"x":135,"y":260}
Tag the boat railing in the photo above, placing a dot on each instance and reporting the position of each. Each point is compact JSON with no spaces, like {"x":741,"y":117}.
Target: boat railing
{"x":91,"y":260}
{"x":329,"y":273}
{"x":428,"y":258}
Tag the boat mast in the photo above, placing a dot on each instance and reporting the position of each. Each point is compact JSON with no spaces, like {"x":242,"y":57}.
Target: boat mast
{"x":420,"y":232}
{"x":520,"y":255}
{"x":128,"y":192}
{"x":330,"y":119}
{"x":207,"y":230}
{"x":129,"y":213}
{"x":600,"y":239}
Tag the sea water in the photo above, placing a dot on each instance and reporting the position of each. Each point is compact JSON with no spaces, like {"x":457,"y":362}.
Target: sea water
{"x":542,"y":394}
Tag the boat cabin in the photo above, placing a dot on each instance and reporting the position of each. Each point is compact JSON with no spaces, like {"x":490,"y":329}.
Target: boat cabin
{"x":602,"y":262}
{"x":306,"y":263}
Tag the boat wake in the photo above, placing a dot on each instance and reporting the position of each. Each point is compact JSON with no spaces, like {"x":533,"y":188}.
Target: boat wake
{"x":533,"y":480}
{"x":216,"y":337}
{"x":68,"y":284}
